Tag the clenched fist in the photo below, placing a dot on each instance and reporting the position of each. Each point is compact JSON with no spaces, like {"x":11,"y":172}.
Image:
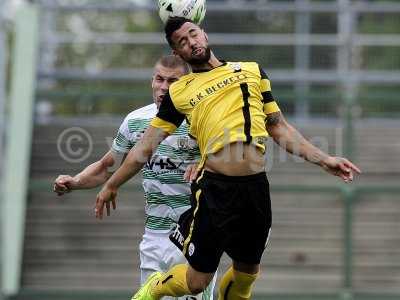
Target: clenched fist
{"x":64,"y":184}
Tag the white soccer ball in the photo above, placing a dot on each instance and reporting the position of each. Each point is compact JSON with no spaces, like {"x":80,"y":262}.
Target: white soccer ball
{"x":194,"y":10}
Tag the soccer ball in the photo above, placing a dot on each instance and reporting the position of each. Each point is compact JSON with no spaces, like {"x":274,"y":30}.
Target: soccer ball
{"x":194,"y":10}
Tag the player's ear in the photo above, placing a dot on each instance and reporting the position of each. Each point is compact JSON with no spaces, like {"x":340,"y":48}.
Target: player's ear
{"x":174,"y":52}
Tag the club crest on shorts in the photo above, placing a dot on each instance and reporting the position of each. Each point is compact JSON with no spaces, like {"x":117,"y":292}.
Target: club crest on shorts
{"x":191,"y":249}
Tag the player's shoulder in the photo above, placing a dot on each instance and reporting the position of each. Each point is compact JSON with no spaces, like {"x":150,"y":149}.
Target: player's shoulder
{"x":139,"y":119}
{"x":254,"y":67}
{"x":145,"y":112}
{"x":181,"y":84}
{"x":245,"y":65}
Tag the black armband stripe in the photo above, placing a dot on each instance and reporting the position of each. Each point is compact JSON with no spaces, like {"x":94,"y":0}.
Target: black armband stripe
{"x":262,"y":73}
{"x":267,"y":97}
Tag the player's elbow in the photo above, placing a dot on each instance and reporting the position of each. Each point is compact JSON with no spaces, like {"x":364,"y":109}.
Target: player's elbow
{"x":282,"y":132}
{"x":278,"y":131}
{"x":107,"y":163}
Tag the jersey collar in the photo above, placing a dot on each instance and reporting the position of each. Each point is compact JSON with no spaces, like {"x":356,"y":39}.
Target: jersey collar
{"x":224,"y":63}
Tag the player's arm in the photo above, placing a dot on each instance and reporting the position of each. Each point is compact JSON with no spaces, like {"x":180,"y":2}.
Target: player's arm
{"x":164,"y":124}
{"x":137,"y":157}
{"x":133,"y":163}
{"x":286,"y":136}
{"x":92,"y":176}
{"x":98,"y":172}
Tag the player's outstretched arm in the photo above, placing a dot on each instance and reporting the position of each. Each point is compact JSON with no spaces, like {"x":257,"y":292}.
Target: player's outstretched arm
{"x":133,"y":163}
{"x":92,"y":176}
{"x":286,"y":136}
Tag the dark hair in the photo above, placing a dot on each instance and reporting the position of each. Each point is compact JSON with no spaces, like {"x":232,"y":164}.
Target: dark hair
{"x":172,"y":62}
{"x":173,"y":24}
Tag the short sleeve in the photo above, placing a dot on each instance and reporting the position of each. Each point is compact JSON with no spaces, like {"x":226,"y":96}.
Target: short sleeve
{"x":168,"y":117}
{"x":122,"y":143}
{"x":270,"y":105}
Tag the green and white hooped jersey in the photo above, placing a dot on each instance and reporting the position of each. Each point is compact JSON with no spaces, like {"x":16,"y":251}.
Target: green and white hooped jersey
{"x":167,"y":194}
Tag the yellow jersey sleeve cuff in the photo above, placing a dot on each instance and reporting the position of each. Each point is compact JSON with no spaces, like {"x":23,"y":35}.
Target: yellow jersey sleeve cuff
{"x":163,"y":125}
{"x":271,"y":107}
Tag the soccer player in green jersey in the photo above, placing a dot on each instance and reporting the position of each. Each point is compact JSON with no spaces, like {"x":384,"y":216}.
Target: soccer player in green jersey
{"x":231,"y":111}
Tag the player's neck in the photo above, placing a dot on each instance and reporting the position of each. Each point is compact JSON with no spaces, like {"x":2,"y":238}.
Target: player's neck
{"x":212,"y":63}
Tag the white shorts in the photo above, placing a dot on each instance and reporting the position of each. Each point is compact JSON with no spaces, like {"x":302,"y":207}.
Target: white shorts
{"x":158,"y":253}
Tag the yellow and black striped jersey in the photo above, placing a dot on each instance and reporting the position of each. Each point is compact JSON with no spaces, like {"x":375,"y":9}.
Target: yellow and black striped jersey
{"x":224,"y":105}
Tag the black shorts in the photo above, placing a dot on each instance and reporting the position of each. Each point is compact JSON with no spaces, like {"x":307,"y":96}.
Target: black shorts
{"x":228,"y":214}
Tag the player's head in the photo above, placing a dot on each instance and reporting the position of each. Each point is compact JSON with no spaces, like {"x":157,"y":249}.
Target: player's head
{"x":188,"y":40}
{"x":167,"y":70}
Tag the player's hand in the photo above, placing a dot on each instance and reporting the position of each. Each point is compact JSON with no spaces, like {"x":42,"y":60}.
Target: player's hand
{"x":104,"y":198}
{"x":341,"y":167}
{"x":64,"y":184}
{"x":191,"y":173}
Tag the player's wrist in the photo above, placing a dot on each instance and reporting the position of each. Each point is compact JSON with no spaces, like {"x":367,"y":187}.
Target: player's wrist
{"x":111,"y":186}
{"x":76,"y":183}
{"x":326,"y":161}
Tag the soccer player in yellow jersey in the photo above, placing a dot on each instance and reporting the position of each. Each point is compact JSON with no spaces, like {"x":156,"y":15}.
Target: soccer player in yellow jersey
{"x":231,"y":112}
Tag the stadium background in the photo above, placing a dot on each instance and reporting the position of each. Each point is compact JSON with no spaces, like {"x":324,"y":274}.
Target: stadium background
{"x":69,"y":72}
